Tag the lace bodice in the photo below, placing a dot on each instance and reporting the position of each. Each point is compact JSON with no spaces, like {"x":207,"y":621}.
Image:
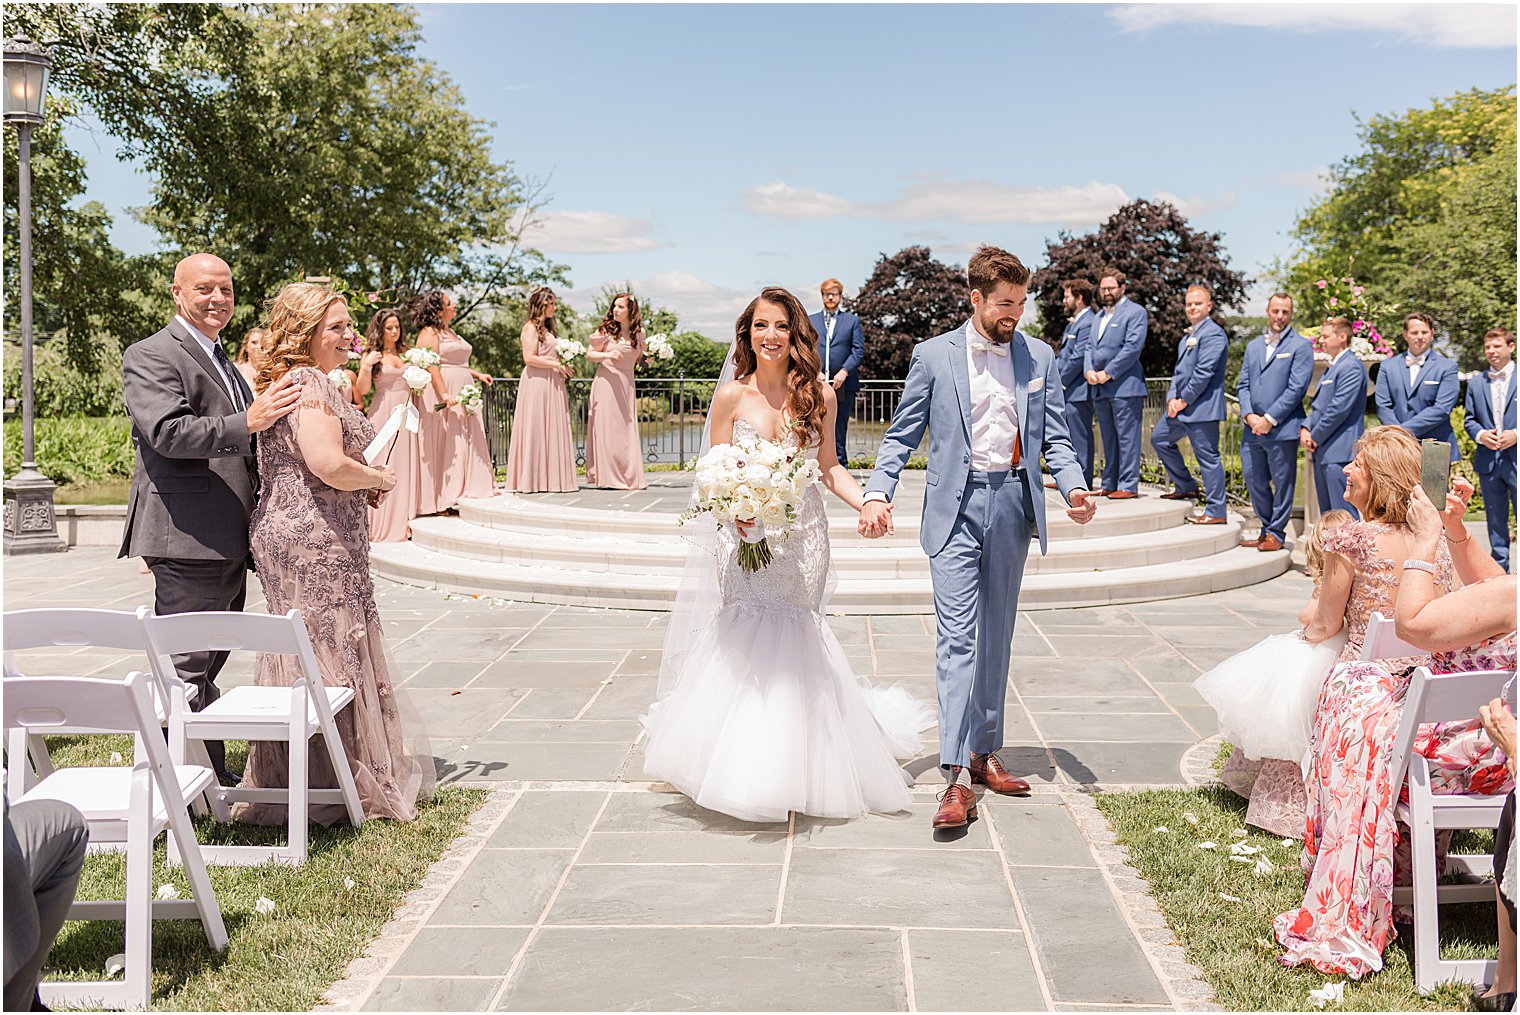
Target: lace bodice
{"x":1375,"y":583}
{"x":797,"y":575}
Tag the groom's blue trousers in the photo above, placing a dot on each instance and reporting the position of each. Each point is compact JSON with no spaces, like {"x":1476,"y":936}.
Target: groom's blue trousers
{"x":976,"y":596}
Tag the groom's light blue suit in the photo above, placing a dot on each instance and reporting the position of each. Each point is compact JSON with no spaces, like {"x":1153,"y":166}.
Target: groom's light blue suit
{"x":976,"y":526}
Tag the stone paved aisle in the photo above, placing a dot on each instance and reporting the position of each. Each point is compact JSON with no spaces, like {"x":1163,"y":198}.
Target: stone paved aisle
{"x":582,"y":886}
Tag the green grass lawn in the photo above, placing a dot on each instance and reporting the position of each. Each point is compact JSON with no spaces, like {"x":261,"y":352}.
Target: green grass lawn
{"x":1232,"y":941}
{"x":281,"y":961}
{"x":110,"y":491}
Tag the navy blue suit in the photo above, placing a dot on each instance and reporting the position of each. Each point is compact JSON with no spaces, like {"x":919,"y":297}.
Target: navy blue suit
{"x":1424,"y":408}
{"x":1274,"y":388}
{"x":1115,"y":349}
{"x":1198,"y":379}
{"x":1336,"y":423}
{"x":844,"y":352}
{"x":1496,"y":469}
{"x":1071,"y":364}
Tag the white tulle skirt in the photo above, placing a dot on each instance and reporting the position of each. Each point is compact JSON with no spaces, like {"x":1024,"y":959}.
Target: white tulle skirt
{"x":1265,"y":696}
{"x":768,"y":717}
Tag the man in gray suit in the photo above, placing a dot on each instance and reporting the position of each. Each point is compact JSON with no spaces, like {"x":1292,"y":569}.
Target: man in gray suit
{"x":44,"y":853}
{"x":991,"y":400}
{"x":193,"y":421}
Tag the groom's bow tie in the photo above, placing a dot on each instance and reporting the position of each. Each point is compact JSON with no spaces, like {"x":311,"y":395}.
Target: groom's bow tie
{"x":992,"y":347}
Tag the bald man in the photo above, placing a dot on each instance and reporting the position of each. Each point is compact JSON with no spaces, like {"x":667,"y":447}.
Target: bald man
{"x":193,"y":487}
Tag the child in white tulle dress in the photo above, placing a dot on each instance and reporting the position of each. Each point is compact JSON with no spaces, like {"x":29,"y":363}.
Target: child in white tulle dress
{"x":1265,"y":697}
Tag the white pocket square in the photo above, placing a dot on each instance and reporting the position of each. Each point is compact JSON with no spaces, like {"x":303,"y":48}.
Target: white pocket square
{"x":1036,"y":384}
{"x":1284,"y":355}
{"x":1432,"y":382}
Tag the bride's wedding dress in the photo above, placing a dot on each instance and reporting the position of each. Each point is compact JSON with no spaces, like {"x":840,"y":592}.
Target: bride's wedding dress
{"x":766,"y":715}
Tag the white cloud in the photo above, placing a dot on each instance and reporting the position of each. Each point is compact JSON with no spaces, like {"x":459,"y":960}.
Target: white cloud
{"x":1315,"y":181}
{"x":1195,"y":206}
{"x":701,"y":305}
{"x":1444,"y":26}
{"x":971,"y":201}
{"x":591,"y":232}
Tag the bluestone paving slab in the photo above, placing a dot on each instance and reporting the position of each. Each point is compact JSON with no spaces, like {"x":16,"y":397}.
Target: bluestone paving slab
{"x":1085,"y":944}
{"x":434,"y":993}
{"x":644,"y":663}
{"x":547,"y":820}
{"x":1039,"y":836}
{"x":1036,"y":677}
{"x":1101,"y":726}
{"x":514,"y":670}
{"x":1146,"y":704}
{"x":662,"y":812}
{"x":663,"y":894}
{"x":503,"y":886}
{"x":703,"y":969}
{"x":498,"y":761}
{"x":623,"y":698}
{"x":449,"y":674}
{"x":469,"y":713}
{"x":1179,"y":694}
{"x":888,"y":887}
{"x":909,"y":829}
{"x":584,"y":731}
{"x":1098,"y":646}
{"x":460,"y":951}
{"x":1168,"y":667}
{"x":1121,"y":763}
{"x":996,"y":963}
{"x":706,"y":846}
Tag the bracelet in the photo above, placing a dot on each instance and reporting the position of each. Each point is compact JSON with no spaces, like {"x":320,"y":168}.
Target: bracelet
{"x":1420,"y":565}
{"x":1459,"y":542}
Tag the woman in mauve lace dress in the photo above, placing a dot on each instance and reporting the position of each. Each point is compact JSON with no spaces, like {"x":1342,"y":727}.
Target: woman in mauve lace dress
{"x":310,"y":541}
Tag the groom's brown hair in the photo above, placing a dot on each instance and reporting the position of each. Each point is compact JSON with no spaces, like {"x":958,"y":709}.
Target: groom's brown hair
{"x":991,"y":265}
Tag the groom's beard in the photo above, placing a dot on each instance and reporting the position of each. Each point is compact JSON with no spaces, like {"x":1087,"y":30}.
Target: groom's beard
{"x":999,"y":331}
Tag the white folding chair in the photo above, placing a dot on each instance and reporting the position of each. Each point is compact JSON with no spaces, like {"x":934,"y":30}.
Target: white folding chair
{"x":1383,"y":641}
{"x":73,"y":628}
{"x":1432,"y":698}
{"x":291,"y":715}
{"x":130,"y":806}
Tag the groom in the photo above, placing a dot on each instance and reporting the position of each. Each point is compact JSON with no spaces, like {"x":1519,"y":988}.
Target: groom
{"x":991,"y":400}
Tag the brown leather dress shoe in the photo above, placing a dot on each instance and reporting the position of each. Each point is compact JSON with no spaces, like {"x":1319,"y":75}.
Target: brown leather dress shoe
{"x":957,"y":807}
{"x":1251,"y":543}
{"x":1269,"y":543}
{"x":988,"y":770}
{"x":1206,"y":520}
{"x":1180,"y":495}
{"x":1123,"y":495}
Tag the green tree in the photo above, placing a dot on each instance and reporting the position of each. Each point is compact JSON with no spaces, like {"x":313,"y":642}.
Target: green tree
{"x":909,"y":297}
{"x":1425,"y":211}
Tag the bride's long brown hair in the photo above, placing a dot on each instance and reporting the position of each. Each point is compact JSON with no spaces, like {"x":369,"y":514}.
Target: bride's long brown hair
{"x":805,"y":406}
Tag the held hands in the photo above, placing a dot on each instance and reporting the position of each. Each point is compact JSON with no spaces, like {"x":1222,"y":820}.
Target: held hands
{"x":277,"y":401}
{"x":1305,"y":441}
{"x":1175,"y":406}
{"x":386,"y":480}
{"x":1258,"y":424}
{"x":1083,"y":506}
{"x":876,"y":519}
{"x":1092,"y":377}
{"x":1102,"y":377}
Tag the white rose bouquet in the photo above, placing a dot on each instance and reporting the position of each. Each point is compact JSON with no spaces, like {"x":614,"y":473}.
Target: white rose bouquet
{"x":658,"y":346}
{"x":340,"y":378}
{"x":757,"y":481}
{"x":471,"y":399}
{"x":569,"y":350}
{"x":416,"y":378}
{"x":424,"y":359}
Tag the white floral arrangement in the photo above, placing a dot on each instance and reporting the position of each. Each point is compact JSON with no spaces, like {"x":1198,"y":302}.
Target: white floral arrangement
{"x":753,"y":480}
{"x":340,"y":378}
{"x":424,"y":359}
{"x":659,"y":346}
{"x":471,"y":399}
{"x":569,"y":350}
{"x":416,"y":378}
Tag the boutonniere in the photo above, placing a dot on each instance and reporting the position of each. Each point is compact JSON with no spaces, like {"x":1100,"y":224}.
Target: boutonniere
{"x":1192,"y":343}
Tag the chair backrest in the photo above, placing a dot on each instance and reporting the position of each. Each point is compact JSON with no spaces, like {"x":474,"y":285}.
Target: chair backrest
{"x":1441,"y":697}
{"x":73,"y":628}
{"x":118,"y":706}
{"x":1383,"y":641}
{"x":232,"y":632}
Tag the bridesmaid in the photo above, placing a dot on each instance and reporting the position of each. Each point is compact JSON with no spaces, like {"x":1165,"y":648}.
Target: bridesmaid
{"x":613,"y":457}
{"x":541,"y":457}
{"x":456,"y":460}
{"x":247,"y":362}
{"x":380,"y":370}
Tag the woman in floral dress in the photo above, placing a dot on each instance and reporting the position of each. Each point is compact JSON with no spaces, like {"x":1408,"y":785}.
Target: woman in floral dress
{"x":1354,"y":850}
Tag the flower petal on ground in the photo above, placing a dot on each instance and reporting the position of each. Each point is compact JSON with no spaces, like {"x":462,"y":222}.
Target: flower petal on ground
{"x":263,"y":905}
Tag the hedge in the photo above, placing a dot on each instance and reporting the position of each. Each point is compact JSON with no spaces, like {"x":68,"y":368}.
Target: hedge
{"x":79,"y":449}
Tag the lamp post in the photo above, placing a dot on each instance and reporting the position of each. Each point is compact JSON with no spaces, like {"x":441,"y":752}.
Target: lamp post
{"x":30,"y":524}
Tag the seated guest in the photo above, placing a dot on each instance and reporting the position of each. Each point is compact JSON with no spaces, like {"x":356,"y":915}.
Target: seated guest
{"x":1353,"y":854}
{"x":1336,"y":417}
{"x":1499,"y":721}
{"x":44,"y":853}
{"x":1418,"y":390}
{"x":1490,"y":422}
{"x":310,"y":541}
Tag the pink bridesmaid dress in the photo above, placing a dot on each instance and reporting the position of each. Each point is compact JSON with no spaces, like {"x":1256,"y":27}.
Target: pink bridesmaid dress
{"x":456,"y":459}
{"x":613,"y":458}
{"x":541,"y":457}
{"x":391,"y":521}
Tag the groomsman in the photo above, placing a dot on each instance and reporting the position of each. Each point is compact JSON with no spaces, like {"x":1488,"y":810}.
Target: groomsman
{"x":1336,"y":419}
{"x":1419,"y":389}
{"x":841,"y":347}
{"x":1490,"y":421}
{"x":1071,"y":363}
{"x":1113,"y":369}
{"x":1194,"y":407}
{"x":193,"y":424}
{"x":1274,"y":378}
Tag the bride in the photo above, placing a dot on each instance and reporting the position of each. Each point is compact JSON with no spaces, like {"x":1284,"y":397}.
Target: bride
{"x":758,"y":711}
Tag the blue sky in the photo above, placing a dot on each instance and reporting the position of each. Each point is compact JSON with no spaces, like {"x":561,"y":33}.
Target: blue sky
{"x":703,"y":151}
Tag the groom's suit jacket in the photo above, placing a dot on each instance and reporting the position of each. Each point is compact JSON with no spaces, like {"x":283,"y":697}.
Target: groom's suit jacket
{"x":937,"y":396}
{"x":194,"y":484}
